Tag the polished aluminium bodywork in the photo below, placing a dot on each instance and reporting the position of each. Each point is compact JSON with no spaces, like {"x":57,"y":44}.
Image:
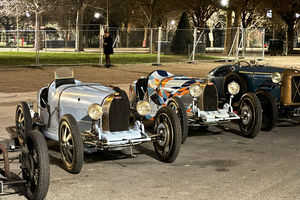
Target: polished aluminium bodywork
{"x":75,"y":99}
{"x":160,"y":87}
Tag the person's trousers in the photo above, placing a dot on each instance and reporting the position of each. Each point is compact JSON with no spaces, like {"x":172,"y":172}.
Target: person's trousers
{"x":107,"y":58}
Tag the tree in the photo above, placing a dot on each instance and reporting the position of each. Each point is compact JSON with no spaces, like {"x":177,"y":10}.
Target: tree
{"x":202,"y":10}
{"x":183,"y":36}
{"x":287,"y":13}
{"x":10,"y":12}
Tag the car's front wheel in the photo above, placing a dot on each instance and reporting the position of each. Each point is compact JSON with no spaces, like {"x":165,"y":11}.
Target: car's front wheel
{"x":71,"y":144}
{"x":177,"y":105}
{"x":250,"y":113}
{"x":168,"y":130}
{"x":23,"y":122}
{"x":35,"y":166}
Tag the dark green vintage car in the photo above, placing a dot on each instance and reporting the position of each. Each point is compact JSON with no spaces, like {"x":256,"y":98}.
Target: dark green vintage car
{"x":278,"y":89}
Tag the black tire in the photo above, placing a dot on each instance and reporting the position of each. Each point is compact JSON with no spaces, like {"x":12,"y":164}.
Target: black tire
{"x":234,"y":76}
{"x":71,"y":144}
{"x":269,"y":110}
{"x":251,"y":115}
{"x":177,"y":105}
{"x":167,"y":124}
{"x":35,"y":166}
{"x":23,"y":122}
{"x":133,"y":99}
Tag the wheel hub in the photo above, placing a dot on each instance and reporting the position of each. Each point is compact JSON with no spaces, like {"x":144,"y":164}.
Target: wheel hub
{"x":246,"y":114}
{"x":162,"y":130}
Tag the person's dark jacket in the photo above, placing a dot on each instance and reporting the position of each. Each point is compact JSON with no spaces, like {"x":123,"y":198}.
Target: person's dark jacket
{"x":108,"y":45}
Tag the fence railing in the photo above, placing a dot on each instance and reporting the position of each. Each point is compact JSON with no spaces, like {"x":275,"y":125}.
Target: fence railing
{"x":161,"y":45}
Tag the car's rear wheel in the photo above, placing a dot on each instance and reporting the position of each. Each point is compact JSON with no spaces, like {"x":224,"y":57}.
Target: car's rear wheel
{"x":35,"y":166}
{"x":71,"y":144}
{"x":251,"y":115}
{"x":234,"y":76}
{"x":177,"y":105}
{"x":23,"y":122}
{"x":167,"y":127}
{"x":269,"y":110}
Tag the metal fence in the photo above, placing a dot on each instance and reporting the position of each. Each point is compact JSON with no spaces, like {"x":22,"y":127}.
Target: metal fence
{"x":158,"y":45}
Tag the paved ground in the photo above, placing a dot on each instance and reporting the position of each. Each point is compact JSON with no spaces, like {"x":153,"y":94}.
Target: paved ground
{"x":212,"y":164}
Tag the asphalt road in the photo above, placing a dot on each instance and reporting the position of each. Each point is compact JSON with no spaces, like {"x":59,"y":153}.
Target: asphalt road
{"x":212,"y":164}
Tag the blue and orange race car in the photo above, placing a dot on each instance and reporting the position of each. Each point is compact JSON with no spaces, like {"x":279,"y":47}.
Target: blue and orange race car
{"x":195,"y":101}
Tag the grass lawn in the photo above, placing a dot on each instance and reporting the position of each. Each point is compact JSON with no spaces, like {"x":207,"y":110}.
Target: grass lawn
{"x":28,"y":58}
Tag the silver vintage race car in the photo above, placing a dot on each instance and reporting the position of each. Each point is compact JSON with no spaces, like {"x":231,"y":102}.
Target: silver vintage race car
{"x":195,"y":101}
{"x":92,"y":117}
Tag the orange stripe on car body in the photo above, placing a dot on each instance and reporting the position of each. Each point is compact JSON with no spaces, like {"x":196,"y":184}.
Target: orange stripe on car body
{"x":165,"y":81}
{"x":183,"y":93}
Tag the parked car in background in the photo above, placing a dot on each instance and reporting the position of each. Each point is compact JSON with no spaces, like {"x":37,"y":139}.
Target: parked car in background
{"x":93,"y":117}
{"x":195,"y":101}
{"x":278,"y":89}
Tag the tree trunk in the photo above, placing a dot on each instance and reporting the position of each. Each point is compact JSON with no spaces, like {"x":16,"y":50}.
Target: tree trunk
{"x":227,"y":43}
{"x":290,"y":37}
{"x":145,"y":37}
{"x":79,"y":29}
{"x":67,"y":33}
{"x":127,"y":36}
{"x":37,"y":43}
{"x":236,"y":25}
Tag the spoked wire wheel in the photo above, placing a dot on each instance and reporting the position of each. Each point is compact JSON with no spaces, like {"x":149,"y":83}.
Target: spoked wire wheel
{"x":167,"y":127}
{"x":23,"y":122}
{"x":35,"y":166}
{"x":71,"y":145}
{"x":67,"y":144}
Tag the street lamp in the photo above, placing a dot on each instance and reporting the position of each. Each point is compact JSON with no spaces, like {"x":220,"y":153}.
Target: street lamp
{"x":27,"y":14}
{"x":269,"y":14}
{"x":97,"y":15}
{"x":224,"y":3}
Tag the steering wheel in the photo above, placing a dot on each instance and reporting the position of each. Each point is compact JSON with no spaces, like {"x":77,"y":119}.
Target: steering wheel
{"x":238,"y":64}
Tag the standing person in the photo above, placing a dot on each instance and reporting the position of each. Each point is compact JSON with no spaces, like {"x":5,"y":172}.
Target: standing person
{"x":108,"y":48}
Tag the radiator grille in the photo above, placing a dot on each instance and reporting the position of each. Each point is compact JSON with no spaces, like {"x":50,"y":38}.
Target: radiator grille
{"x":295,"y":89}
{"x":208,"y":101}
{"x":119,"y":113}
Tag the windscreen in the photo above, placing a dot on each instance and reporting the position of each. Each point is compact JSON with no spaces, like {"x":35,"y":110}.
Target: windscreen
{"x":64,"y":73}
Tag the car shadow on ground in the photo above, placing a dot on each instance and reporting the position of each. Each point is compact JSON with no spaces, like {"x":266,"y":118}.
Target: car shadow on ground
{"x":288,"y":122}
{"x":55,"y":157}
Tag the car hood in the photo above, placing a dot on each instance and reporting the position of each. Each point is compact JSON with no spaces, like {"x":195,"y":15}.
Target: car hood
{"x":87,"y":93}
{"x":261,"y":68}
{"x":175,"y":83}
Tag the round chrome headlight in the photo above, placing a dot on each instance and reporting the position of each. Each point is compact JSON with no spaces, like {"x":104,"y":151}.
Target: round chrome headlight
{"x":233,"y":88}
{"x":95,"y":111}
{"x":195,"y":90}
{"x":276,"y":77}
{"x":143,"y":107}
